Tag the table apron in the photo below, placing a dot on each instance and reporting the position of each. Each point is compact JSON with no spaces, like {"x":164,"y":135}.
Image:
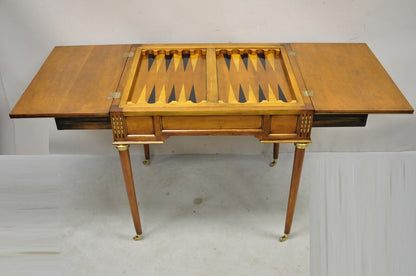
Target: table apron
{"x":294,"y":127}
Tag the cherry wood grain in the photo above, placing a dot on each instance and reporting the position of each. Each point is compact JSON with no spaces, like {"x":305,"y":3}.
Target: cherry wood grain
{"x":294,"y":186}
{"x":74,"y":81}
{"x":131,"y":193}
{"x":211,"y":122}
{"x":348,"y":78}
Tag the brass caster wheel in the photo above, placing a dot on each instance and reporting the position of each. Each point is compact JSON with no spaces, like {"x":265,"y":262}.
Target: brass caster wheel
{"x":138,"y":237}
{"x":273,"y":163}
{"x":146,"y":162}
{"x":284,"y":237}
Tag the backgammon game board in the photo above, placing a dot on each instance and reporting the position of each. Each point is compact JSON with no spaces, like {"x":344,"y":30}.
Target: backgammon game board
{"x":179,"y":77}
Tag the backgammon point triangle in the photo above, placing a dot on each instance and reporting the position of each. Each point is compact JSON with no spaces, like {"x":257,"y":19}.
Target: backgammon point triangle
{"x":227,"y":59}
{"x":272,"y":97}
{"x":253,"y":59}
{"x":251,"y":96}
{"x":231,"y":96}
{"x":281,"y":94}
{"x":168,"y":59}
{"x":241,"y":96}
{"x":182,"y":97}
{"x":150,"y":59}
{"x":261,"y":95}
{"x":185,"y":58}
{"x":245,"y":60}
{"x":152,"y":98}
{"x":262,"y":58}
{"x":172,"y":96}
{"x":176,"y":60}
{"x":162,"y":97}
{"x":142,"y":98}
{"x":192,"y":97}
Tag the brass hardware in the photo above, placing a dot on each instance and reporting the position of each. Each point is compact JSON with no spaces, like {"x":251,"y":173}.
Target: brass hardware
{"x":305,"y":125}
{"x":308,"y":93}
{"x":309,"y":123}
{"x":114,"y":95}
{"x":292,"y":53}
{"x":128,"y":54}
{"x":284,"y":237}
{"x":146,"y":162}
{"x":122,"y":147}
{"x":301,"y":145}
{"x":118,"y":126}
{"x":273,"y":163}
{"x":138,"y":237}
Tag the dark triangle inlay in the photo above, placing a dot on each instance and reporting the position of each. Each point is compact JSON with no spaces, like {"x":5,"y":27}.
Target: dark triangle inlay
{"x":172,"y":96}
{"x":192,"y":97}
{"x":241,"y":96}
{"x":152,"y":98}
{"x":281,"y":95}
{"x":185,"y":58}
{"x":168,"y":59}
{"x":227,"y":59}
{"x":261,"y":95}
{"x":245,"y":60}
{"x":262,"y":58}
{"x":150,"y":58}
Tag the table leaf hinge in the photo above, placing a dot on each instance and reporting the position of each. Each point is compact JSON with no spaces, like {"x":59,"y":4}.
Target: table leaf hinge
{"x":113,"y":95}
{"x":308,"y":93}
{"x":128,"y":54}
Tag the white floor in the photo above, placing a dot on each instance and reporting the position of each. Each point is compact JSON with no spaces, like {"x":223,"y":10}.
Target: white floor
{"x":208,"y":215}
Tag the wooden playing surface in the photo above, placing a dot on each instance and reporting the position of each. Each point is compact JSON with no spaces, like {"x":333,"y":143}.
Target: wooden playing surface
{"x":75,"y":81}
{"x":348,"y":78}
{"x":220,"y":78}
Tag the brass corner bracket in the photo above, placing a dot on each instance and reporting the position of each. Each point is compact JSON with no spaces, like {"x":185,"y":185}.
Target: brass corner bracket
{"x":114,"y":95}
{"x":308,"y":93}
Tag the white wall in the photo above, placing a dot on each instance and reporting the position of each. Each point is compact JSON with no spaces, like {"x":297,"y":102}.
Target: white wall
{"x":29,"y":30}
{"x":7,"y":145}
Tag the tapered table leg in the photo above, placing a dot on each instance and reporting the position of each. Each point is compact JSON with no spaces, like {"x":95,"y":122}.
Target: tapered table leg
{"x":275,"y":154}
{"x":123,"y":151}
{"x":294,"y":185}
{"x":146,"y":160}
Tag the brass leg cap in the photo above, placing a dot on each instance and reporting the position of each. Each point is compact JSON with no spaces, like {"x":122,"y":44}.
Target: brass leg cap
{"x":284,"y":237}
{"x":138,"y":237}
{"x":146,"y":162}
{"x":273,"y":163}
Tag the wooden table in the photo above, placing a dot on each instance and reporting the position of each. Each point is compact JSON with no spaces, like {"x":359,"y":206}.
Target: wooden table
{"x":147,"y":93}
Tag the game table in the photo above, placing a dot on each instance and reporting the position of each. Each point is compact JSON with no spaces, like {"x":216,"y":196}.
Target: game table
{"x":148,"y":92}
